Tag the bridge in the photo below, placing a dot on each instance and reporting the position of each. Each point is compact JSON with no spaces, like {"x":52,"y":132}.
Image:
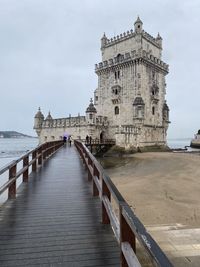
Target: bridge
{"x":67,"y":212}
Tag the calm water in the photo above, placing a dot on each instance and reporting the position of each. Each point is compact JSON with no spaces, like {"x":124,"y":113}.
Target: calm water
{"x":11,"y":149}
{"x":179,"y":143}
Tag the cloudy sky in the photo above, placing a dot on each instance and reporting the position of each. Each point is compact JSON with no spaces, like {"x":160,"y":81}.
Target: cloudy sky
{"x":48,"y":49}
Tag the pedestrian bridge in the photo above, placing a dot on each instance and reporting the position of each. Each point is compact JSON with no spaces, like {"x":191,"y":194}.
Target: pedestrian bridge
{"x":67,"y":212}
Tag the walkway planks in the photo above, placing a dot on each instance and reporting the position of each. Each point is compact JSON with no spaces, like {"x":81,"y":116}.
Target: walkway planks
{"x":55,"y":221}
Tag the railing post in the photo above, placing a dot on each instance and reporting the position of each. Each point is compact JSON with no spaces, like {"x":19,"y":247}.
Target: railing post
{"x":126,"y":235}
{"x":44,"y":152}
{"x":95,"y":191}
{"x":25,"y":163}
{"x":85,"y":158}
{"x":105,"y":192}
{"x":34,"y":165}
{"x":12,"y":187}
{"x":40,"y":155}
{"x":90,"y":163}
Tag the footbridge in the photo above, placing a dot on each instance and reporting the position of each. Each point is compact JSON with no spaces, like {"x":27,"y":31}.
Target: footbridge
{"x":68,"y":212}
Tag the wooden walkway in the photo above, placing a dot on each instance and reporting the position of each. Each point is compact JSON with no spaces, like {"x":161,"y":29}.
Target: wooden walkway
{"x":55,"y":221}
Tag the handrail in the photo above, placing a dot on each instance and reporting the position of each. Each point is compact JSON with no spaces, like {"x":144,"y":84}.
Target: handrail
{"x":38,"y":155}
{"x":128,"y":227}
{"x":97,"y":141}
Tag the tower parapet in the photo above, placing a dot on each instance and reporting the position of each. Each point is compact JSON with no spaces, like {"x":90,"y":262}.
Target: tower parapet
{"x":131,"y":58}
{"x":130,"y":34}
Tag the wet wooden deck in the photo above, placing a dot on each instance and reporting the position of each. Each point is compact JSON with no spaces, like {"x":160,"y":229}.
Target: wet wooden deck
{"x":55,"y":221}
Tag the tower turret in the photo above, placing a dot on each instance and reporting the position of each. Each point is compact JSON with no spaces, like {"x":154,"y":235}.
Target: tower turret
{"x":138,"y":25}
{"x":49,"y":117}
{"x":159,"y":40}
{"x":165,"y":112}
{"x":103,"y":41}
{"x":38,"y":120}
{"x":90,"y":113}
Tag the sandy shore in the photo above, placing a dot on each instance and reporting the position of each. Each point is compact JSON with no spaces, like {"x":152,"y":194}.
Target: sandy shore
{"x":162,"y":188}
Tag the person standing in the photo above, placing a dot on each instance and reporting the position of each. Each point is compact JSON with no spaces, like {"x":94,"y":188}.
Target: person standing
{"x":87,"y":139}
{"x":70,"y":140}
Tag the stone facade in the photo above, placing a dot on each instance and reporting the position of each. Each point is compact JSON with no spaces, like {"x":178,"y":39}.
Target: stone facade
{"x":129,"y":103}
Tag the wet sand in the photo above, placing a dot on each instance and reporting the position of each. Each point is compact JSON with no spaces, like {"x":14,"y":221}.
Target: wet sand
{"x":162,"y":188}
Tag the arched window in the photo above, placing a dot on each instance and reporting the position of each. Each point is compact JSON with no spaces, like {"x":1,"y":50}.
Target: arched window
{"x":153,"y":110}
{"x":118,"y":57}
{"x":116,"y":110}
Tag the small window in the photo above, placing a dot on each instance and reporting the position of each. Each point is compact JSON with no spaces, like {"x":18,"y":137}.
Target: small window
{"x":153,"y":110}
{"x":138,"y":26}
{"x":90,"y":116}
{"x":116,"y":110}
{"x":118,"y":74}
{"x":96,"y":98}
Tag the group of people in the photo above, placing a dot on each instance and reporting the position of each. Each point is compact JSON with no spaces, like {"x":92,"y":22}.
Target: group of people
{"x":88,"y":139}
{"x":67,"y":140}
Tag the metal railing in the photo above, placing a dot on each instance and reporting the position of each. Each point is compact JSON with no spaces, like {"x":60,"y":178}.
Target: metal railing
{"x":126,"y":226}
{"x":33,"y":158}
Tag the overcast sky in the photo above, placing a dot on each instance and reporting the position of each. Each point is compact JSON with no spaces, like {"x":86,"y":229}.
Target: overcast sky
{"x":48,"y":49}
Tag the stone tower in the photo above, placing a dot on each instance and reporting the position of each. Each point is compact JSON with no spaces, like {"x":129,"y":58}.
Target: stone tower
{"x":131,"y":88}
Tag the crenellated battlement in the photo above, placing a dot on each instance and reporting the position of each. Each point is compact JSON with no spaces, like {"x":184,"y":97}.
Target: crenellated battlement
{"x":130,"y":58}
{"x":77,"y":121}
{"x":130,"y":34}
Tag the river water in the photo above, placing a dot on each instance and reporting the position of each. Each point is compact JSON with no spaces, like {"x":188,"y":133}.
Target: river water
{"x":13,"y":148}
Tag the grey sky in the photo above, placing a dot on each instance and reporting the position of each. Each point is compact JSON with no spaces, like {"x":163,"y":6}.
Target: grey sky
{"x":48,"y":49}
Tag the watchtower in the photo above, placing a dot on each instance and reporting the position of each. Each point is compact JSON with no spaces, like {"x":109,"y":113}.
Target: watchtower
{"x":131,"y":88}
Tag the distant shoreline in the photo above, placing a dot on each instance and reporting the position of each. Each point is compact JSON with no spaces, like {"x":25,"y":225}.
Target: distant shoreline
{"x":22,"y":137}
{"x":14,"y":134}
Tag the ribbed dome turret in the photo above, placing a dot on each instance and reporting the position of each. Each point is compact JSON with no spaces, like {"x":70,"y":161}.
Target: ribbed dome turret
{"x":138,"y":25}
{"x":158,"y":37}
{"x":138,"y":101}
{"x":49,"y":116}
{"x":91,"y":108}
{"x":138,"y":21}
{"x":39,"y":114}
